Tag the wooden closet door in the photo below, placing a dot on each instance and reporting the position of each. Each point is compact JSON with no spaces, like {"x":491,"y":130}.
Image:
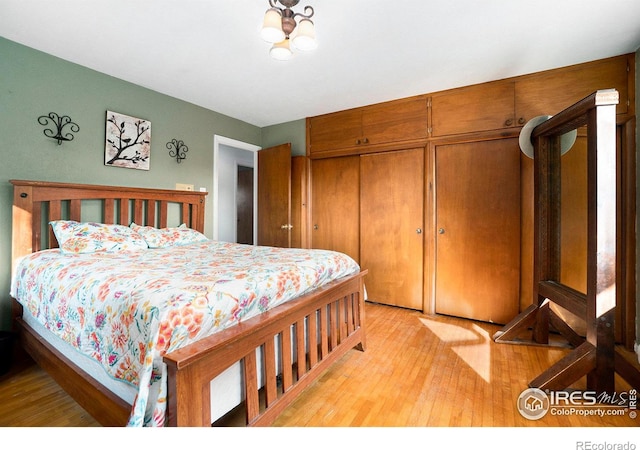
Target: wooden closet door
{"x":478,"y":230}
{"x":391,"y":237}
{"x":335,"y":205}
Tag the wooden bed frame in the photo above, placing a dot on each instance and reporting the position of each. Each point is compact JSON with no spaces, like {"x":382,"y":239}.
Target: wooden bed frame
{"x":329,"y":320}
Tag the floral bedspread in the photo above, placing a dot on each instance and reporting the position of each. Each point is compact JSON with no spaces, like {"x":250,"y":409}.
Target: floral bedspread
{"x":127,"y":309}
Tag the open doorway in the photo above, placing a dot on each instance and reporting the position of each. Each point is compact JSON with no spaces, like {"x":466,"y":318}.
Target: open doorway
{"x":229,"y":156}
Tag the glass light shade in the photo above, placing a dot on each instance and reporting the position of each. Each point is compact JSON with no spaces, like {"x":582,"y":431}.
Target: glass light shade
{"x":272,"y":26}
{"x":281,"y":50}
{"x":305,"y":36}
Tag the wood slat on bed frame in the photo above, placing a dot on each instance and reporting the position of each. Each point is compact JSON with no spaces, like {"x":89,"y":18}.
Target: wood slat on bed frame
{"x":328,"y":321}
{"x":333,"y":314}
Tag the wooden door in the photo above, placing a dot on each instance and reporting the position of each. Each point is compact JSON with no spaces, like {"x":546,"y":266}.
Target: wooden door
{"x":333,"y":131}
{"x":552,"y":91}
{"x":274,"y":196}
{"x":300,"y":202}
{"x":391,"y":224}
{"x":478,"y":230}
{"x":396,"y":121}
{"x":335,"y":204}
{"x":482,"y":107}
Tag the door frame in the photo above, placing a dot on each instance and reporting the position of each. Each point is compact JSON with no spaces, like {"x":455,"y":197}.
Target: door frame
{"x":218,"y":146}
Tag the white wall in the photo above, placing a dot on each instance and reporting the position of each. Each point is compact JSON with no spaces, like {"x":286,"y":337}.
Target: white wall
{"x":229,"y":159}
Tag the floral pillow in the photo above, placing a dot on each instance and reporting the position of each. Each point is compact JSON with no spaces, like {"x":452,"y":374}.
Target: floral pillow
{"x":92,"y":237}
{"x":168,"y":237}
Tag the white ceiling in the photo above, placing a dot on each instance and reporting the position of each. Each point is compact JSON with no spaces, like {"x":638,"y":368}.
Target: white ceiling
{"x":210,"y":53}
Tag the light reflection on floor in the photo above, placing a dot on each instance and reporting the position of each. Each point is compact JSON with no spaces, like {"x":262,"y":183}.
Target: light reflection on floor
{"x":471,"y":345}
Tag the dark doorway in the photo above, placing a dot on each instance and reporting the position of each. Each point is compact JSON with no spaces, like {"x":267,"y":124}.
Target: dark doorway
{"x":244,"y":206}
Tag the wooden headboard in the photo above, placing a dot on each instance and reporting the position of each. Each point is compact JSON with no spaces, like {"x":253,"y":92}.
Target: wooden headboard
{"x":35,"y":203}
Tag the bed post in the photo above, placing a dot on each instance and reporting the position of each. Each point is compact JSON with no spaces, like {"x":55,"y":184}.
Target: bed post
{"x":23,"y":236}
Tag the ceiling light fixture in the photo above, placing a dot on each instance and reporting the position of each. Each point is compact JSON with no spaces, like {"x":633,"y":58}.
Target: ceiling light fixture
{"x":280,"y":29}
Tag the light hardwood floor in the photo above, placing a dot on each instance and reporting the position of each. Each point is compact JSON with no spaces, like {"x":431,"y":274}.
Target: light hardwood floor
{"x":417,"y":371}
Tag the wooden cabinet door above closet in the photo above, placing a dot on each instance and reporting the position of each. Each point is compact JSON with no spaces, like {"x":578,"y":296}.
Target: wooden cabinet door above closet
{"x":397,"y":121}
{"x":548,"y":93}
{"x":513,"y":102}
{"x":363,"y":130}
{"x":334,"y":131}
{"x":481,"y":107}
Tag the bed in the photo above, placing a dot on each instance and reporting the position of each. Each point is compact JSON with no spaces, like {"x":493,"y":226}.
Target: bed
{"x":145,"y":321}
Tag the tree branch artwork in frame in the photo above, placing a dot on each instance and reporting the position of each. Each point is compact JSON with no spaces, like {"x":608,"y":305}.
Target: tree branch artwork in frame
{"x":128,"y":142}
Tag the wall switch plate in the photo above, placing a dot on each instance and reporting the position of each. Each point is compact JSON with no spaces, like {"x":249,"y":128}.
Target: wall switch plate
{"x":184,"y":187}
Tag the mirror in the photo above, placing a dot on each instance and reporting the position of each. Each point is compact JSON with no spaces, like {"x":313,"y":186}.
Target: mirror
{"x":573,"y":215}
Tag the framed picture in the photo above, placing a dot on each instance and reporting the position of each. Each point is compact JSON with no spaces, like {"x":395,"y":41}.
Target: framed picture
{"x":128,"y":142}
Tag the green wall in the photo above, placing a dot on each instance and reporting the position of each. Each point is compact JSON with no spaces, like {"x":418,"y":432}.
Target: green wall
{"x":33,"y":83}
{"x":293,"y":132}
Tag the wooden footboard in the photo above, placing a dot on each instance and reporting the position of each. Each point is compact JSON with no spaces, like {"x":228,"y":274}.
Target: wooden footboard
{"x":328,"y":322}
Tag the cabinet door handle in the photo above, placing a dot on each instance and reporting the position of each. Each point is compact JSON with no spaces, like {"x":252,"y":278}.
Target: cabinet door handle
{"x":521,"y":121}
{"x":508,"y":122}
{"x":286,"y":226}
{"x":365,"y":141}
{"x":419,"y":230}
{"x":315,"y":226}
{"x":440,"y":230}
{"x":357,"y":141}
